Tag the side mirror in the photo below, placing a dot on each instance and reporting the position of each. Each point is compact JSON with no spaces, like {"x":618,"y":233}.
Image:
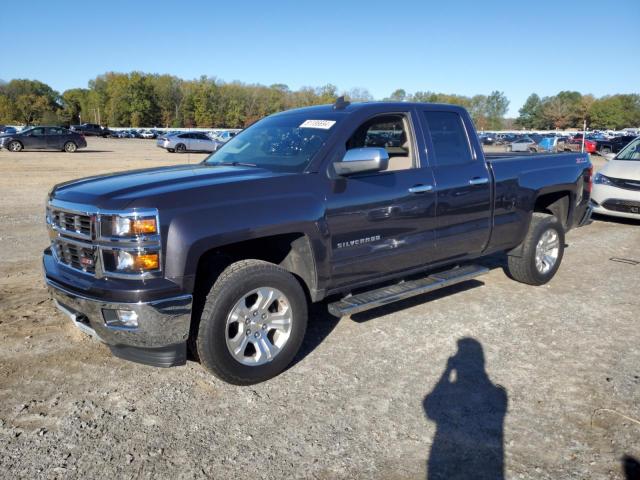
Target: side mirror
{"x":360,"y":160}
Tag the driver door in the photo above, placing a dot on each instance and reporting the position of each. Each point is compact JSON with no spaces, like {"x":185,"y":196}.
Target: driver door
{"x":382,"y":222}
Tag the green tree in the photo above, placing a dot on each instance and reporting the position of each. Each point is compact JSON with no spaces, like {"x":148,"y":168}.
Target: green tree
{"x":531,"y":112}
{"x":399,"y":95}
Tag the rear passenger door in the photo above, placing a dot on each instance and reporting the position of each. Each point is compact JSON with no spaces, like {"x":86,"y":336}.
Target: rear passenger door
{"x":54,"y":136}
{"x":462,"y":184}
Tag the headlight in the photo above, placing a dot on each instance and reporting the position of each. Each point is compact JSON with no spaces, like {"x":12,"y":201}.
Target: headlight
{"x":126,"y":261}
{"x":602,"y":180}
{"x":129,"y":225}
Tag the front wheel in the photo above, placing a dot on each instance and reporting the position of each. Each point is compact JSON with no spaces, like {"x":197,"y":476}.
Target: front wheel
{"x":181,"y":148}
{"x":14,"y":146}
{"x":541,"y":253}
{"x":70,"y":147}
{"x":252,"y":324}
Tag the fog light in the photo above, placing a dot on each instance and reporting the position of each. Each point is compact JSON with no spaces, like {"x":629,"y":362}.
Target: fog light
{"x":120,"y":318}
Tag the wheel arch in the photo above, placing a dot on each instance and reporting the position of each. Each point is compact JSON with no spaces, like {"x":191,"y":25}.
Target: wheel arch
{"x":291,"y":251}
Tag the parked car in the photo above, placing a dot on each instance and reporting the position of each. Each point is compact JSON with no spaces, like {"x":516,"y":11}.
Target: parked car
{"x":224,"y":255}
{"x":148,"y":134}
{"x":39,"y":138}
{"x":224,"y":137}
{"x":188,"y":142}
{"x":616,"y":188}
{"x":91,"y":130}
{"x":524,"y":144}
{"x":7,"y":130}
{"x":613,"y":145}
{"x":575,"y":145}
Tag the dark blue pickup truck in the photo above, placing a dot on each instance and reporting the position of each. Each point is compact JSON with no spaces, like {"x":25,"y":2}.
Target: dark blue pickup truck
{"x":360,"y":204}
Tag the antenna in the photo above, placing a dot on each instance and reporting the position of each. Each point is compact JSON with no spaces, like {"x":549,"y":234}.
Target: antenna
{"x":341,"y":103}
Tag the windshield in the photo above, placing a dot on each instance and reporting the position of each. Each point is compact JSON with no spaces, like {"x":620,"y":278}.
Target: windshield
{"x":631,"y":151}
{"x":281,"y":143}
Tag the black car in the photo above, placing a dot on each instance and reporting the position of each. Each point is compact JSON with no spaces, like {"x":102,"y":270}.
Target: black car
{"x":91,"y":129}
{"x":51,"y":138}
{"x":613,"y":145}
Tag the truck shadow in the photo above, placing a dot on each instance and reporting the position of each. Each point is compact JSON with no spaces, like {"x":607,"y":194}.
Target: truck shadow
{"x":322,"y":323}
{"x":631,"y":468}
{"x":469,"y":411}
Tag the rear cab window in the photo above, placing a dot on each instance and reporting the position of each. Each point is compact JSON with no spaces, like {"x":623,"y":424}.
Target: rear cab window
{"x":449,"y":138}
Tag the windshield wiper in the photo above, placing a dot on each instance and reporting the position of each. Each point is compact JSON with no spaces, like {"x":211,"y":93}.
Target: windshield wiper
{"x":236,"y":164}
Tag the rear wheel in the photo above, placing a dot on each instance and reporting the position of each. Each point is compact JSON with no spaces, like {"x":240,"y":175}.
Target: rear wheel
{"x":14,"y":146}
{"x":542,"y":251}
{"x":181,"y":148}
{"x":252,"y":324}
{"x":70,"y":147}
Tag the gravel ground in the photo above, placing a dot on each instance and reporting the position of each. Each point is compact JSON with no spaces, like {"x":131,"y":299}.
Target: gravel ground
{"x":547,"y":379}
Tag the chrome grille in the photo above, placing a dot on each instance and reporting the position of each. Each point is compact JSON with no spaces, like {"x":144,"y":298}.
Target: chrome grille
{"x":75,"y":254}
{"x":71,"y":223}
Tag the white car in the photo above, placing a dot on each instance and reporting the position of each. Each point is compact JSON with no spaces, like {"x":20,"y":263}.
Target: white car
{"x":188,"y":142}
{"x":616,"y":188}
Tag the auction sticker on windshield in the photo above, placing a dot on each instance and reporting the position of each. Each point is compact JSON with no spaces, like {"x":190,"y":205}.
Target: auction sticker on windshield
{"x":322,"y":124}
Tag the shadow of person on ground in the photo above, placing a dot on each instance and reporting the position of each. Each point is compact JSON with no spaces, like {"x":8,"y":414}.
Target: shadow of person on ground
{"x":631,"y":468}
{"x":469,"y":412}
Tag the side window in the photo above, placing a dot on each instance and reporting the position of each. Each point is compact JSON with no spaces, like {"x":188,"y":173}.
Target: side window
{"x":449,"y":138}
{"x":390,"y":132}
{"x":185,"y":135}
{"x":54,"y":131}
{"x":37,"y":132}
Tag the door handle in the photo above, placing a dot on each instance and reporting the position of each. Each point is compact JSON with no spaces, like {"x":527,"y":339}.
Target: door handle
{"x":478,"y":181}
{"x":421,"y":188}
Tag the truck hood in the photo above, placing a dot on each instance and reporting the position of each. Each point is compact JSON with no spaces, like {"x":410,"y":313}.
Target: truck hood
{"x":624,"y":169}
{"x":121,"y":190}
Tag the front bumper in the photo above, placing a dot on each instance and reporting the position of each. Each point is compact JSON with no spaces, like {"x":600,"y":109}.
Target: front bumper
{"x":158,"y":340}
{"x":616,"y":202}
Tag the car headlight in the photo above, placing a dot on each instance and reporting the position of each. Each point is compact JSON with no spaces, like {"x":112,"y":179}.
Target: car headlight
{"x":129,"y":225}
{"x":130,"y":242}
{"x":602,"y":180}
{"x":129,"y":261}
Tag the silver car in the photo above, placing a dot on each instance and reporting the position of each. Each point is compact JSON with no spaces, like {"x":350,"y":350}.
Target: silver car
{"x":188,"y":142}
{"x":524,"y":144}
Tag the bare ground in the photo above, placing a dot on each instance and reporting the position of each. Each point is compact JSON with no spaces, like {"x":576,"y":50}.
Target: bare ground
{"x":566,"y":357}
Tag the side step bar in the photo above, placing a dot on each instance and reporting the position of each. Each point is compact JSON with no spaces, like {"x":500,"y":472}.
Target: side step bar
{"x":382,"y":296}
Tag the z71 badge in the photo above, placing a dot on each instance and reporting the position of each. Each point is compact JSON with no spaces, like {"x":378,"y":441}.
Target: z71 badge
{"x":359,"y":241}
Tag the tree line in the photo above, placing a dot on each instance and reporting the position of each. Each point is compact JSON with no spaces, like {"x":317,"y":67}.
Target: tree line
{"x":139,"y":99}
{"x":570,"y":109}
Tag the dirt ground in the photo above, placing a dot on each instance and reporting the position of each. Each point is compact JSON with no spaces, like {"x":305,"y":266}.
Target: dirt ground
{"x":547,"y":379}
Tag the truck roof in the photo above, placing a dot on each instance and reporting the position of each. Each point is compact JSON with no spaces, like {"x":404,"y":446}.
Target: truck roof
{"x":372,"y":107}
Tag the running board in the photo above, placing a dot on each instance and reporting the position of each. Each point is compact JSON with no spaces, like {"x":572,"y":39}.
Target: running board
{"x":382,"y":296}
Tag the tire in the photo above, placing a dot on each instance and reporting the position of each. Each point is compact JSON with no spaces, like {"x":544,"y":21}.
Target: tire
{"x":544,"y":229}
{"x":181,"y":148}
{"x":533,"y":150}
{"x":230,"y":298}
{"x":14,"y":146}
{"x":70,"y":147}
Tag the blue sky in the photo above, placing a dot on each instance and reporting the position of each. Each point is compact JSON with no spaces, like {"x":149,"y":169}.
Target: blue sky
{"x":463,"y":47}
